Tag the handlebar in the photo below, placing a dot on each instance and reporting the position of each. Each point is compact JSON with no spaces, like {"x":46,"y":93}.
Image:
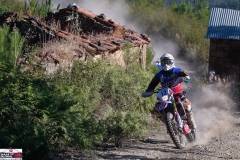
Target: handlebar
{"x":156,"y":90}
{"x":148,"y":94}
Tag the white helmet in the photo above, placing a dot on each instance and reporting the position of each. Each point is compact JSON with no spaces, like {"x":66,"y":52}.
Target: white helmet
{"x":167,"y":61}
{"x":72,"y":6}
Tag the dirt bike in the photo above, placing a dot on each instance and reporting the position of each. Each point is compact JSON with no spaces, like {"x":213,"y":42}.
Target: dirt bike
{"x":175,"y":117}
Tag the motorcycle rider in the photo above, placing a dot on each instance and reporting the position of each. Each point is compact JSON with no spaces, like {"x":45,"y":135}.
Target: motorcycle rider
{"x":172,"y":77}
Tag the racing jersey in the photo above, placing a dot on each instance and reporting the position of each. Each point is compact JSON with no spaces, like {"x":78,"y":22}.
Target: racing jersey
{"x":172,"y":79}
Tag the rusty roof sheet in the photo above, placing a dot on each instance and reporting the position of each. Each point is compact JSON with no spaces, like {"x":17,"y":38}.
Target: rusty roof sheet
{"x":93,"y":32}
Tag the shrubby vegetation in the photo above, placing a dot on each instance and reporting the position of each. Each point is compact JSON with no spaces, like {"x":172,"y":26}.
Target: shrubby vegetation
{"x":32,"y":7}
{"x":94,"y":103}
{"x":11,"y":44}
{"x":38,"y":8}
{"x":13,"y":5}
{"x":184,"y":23}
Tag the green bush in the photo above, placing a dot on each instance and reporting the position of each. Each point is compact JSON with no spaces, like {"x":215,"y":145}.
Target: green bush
{"x":11,"y":5}
{"x":124,"y":124}
{"x":97,"y":87}
{"x":11,"y":44}
{"x":96,"y":101}
{"x":41,"y":116}
{"x":21,"y":118}
{"x":32,"y":7}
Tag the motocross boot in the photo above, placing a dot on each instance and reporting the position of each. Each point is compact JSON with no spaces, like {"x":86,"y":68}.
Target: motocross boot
{"x":190,"y":118}
{"x":192,"y":124}
{"x":179,"y":122}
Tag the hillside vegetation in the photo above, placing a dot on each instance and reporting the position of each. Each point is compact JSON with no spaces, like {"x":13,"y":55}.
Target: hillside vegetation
{"x":32,"y":7}
{"x":185,"y":23}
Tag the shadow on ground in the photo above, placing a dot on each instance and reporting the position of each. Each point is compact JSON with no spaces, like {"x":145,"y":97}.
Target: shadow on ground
{"x":116,"y":157}
{"x":134,"y":157}
{"x":160,"y":146}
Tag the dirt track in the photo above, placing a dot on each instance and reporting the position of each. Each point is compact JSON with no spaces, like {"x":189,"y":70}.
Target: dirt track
{"x":159,"y":146}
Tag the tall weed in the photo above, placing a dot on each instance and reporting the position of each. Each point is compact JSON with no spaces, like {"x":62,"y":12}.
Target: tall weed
{"x":11,"y":44}
{"x":36,"y":8}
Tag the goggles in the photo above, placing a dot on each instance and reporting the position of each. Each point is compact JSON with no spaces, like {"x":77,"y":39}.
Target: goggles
{"x":166,"y":62}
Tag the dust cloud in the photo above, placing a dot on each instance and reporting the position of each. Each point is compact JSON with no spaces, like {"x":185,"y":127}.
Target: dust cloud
{"x":116,"y":10}
{"x":213,"y":107}
{"x":212,"y":103}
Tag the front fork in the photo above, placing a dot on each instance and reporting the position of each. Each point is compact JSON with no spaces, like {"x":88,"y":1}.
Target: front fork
{"x":174,"y":110}
{"x":180,"y":122}
{"x":177,"y":117}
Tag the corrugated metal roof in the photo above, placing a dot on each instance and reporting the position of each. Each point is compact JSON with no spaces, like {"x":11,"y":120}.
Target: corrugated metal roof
{"x":224,"y":24}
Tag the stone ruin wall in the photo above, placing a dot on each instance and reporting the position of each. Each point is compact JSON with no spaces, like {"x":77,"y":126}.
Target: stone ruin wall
{"x":82,"y":34}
